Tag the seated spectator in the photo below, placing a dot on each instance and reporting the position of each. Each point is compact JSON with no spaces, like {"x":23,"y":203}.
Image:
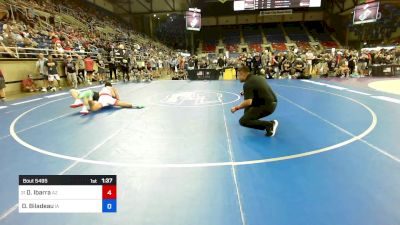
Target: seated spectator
{"x":321,"y":69}
{"x":343,"y":70}
{"x":331,"y":66}
{"x":286,"y":68}
{"x":299,"y":67}
{"x":28,"y":85}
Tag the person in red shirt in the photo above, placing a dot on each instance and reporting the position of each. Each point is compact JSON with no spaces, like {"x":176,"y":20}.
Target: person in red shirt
{"x":55,"y":39}
{"x":182,"y":63}
{"x":89,"y":64}
{"x":28,"y":85}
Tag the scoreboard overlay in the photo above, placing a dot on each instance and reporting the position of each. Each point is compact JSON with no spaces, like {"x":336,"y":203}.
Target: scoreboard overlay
{"x":67,"y":193}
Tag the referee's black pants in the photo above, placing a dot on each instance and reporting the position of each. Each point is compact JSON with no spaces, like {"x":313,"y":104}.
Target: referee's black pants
{"x":253,"y":114}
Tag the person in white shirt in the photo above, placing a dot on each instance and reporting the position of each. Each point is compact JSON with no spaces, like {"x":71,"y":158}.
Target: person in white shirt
{"x":41,"y":68}
{"x":309,"y":58}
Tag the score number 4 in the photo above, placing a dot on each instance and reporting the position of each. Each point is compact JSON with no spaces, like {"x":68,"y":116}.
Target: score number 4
{"x":109,"y":192}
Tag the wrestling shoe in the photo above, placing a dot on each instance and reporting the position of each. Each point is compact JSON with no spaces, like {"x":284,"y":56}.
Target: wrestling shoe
{"x":84,"y":111}
{"x":77,"y":103}
{"x":137,"y":107}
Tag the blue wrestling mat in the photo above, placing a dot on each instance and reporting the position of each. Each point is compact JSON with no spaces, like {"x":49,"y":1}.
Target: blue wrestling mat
{"x":185,"y":160}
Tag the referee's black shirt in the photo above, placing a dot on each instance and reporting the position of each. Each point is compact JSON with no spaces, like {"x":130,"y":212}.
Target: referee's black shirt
{"x":257,"y":88}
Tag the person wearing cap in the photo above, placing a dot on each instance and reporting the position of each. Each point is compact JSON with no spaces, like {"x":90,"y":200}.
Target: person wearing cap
{"x":259,"y":101}
{"x":28,"y":85}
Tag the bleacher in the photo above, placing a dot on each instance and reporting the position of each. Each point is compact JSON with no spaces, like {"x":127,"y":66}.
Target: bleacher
{"x":231,"y":38}
{"x":210,"y":39}
{"x":320,"y":35}
{"x":302,"y":45}
{"x":255,"y":47}
{"x":279,"y":46}
{"x":274,"y":34}
{"x":296,"y":32}
{"x":252,"y":34}
{"x":72,"y":21}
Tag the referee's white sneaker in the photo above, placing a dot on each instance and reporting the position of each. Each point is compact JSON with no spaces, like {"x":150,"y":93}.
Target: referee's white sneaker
{"x":272,"y":132}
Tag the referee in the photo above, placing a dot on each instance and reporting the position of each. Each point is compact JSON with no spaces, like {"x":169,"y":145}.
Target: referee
{"x":259,"y":101}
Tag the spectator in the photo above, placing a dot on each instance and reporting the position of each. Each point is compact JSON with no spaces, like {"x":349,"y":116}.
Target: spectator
{"x":70,"y":70}
{"x":80,"y":64}
{"x":299,"y":67}
{"x":101,"y":65}
{"x":125,"y":64}
{"x":257,"y":64}
{"x":28,"y":85}
{"x":309,"y":57}
{"x":343,"y":70}
{"x":351,"y":62}
{"x":112,"y":66}
{"x":221,"y":62}
{"x":41,"y":68}
{"x":286,"y":69}
{"x":181,"y":63}
{"x":52,"y":72}
{"x":191,"y":64}
{"x":362,"y":64}
{"x":264,"y":59}
{"x":2,"y":87}
{"x":89,"y":67}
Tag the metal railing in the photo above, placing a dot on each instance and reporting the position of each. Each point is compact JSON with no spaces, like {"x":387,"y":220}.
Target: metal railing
{"x":32,"y":53}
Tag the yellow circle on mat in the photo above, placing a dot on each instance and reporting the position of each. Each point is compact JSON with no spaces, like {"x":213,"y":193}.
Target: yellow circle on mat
{"x":390,"y":86}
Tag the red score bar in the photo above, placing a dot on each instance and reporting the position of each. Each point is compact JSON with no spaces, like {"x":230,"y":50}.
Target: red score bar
{"x":109,"y":191}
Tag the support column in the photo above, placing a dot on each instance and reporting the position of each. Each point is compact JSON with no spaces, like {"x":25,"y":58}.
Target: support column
{"x":151,"y":27}
{"x":192,"y":41}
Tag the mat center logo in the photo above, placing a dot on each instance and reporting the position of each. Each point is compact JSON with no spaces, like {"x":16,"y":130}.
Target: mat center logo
{"x":193,"y":98}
